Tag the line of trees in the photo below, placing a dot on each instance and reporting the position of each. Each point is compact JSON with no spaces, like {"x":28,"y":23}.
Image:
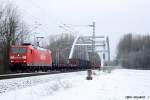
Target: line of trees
{"x":60,"y":45}
{"x":12,"y":31}
{"x":133,"y":51}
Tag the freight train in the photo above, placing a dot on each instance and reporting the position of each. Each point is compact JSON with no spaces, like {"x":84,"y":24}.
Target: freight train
{"x":27,"y":57}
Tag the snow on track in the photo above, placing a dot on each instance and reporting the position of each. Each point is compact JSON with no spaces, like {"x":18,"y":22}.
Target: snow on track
{"x":116,"y":85}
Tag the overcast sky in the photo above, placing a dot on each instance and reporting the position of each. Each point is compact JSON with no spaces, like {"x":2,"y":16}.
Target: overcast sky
{"x":113,"y":17}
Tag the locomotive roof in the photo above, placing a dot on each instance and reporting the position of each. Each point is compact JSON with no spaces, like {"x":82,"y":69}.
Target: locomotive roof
{"x":39,"y":48}
{"x":35,"y":47}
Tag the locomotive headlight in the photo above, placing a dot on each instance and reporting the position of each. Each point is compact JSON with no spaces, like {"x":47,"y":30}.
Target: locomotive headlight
{"x":11,"y":61}
{"x":12,"y":57}
{"x":24,"y":57}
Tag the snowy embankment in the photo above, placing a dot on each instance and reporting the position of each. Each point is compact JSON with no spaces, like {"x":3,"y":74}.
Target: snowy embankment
{"x":117,"y":85}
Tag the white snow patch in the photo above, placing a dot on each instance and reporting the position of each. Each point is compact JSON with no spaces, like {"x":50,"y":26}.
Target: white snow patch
{"x":116,"y":85}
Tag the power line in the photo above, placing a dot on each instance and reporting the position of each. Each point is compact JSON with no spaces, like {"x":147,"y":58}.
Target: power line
{"x":37,"y":19}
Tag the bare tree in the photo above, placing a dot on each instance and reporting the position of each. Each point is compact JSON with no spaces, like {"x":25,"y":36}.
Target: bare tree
{"x":133,"y":51}
{"x":60,"y":46}
{"x":12,"y":29}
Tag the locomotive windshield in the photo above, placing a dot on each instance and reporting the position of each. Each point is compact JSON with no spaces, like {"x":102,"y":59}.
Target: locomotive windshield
{"x":18,"y":50}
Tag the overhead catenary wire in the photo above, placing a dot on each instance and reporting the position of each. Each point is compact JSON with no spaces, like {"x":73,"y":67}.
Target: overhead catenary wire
{"x":37,"y":19}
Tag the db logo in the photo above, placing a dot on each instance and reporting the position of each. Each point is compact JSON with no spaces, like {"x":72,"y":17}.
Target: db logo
{"x":43,"y":57}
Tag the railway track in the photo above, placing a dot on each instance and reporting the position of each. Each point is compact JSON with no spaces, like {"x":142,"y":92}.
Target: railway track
{"x":21,"y":75}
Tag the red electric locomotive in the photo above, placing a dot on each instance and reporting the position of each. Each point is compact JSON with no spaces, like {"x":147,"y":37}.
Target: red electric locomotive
{"x":26,"y":57}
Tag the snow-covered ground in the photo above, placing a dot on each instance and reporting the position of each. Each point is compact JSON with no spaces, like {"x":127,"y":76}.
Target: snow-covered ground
{"x":120,"y":84}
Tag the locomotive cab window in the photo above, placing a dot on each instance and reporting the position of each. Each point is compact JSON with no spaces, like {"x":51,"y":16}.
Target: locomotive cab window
{"x":18,"y":50}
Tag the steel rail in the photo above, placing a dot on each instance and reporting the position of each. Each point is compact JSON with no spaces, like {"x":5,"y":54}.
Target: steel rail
{"x":22,"y":75}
